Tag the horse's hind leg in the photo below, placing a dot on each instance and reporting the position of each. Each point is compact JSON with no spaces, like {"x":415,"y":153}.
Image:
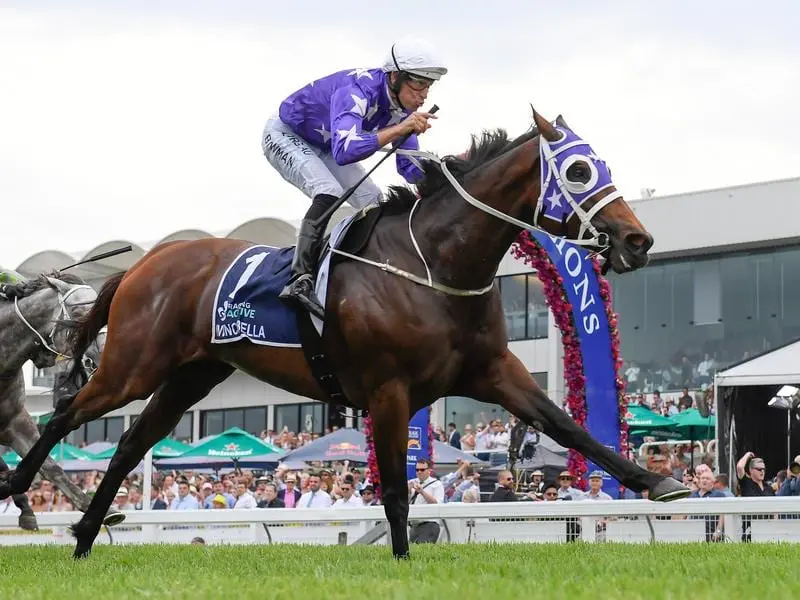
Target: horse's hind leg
{"x":27,"y":519}
{"x":187,"y":385}
{"x":509,"y":384}
{"x":389,"y":410}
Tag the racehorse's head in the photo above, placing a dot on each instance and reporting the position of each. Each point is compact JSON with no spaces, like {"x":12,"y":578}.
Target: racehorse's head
{"x":578,"y":199}
{"x":47,"y":306}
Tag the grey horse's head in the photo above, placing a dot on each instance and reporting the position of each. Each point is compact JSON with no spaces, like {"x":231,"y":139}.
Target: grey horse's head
{"x":42,"y":311}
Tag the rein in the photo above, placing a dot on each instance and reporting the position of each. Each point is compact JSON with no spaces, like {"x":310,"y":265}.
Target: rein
{"x":597,"y":239}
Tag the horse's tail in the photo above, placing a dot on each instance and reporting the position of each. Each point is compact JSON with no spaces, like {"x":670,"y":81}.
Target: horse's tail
{"x":84,"y":331}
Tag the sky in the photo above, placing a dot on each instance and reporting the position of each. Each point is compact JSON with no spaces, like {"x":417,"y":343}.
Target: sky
{"x":131,"y":120}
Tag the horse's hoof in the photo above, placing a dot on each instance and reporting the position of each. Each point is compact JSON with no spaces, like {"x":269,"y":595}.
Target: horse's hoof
{"x":668,"y":489}
{"x":113,"y":517}
{"x":404,"y":556}
{"x":81,"y":553}
{"x":28,"y":523}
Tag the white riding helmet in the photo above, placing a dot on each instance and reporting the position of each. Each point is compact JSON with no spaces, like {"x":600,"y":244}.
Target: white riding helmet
{"x":417,"y":57}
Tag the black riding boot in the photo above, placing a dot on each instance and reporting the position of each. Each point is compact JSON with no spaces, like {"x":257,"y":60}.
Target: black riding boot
{"x":301,"y":286}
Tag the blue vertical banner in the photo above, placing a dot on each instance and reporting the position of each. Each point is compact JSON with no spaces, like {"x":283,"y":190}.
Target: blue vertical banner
{"x":582,"y":289}
{"x":418,"y":443}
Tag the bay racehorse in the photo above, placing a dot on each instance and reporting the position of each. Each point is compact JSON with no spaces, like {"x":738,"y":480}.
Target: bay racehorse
{"x":30,"y":329}
{"x":397,"y":340}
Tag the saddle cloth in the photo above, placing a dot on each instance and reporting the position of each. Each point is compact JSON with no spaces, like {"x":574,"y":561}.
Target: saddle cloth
{"x":246,"y":305}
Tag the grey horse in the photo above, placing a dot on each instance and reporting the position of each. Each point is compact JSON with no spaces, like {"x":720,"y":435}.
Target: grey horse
{"x":33,"y":315}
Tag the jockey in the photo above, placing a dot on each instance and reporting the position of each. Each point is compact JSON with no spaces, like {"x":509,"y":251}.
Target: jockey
{"x":324,"y":129}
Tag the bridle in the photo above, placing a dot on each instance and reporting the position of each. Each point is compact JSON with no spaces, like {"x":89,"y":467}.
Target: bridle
{"x":557,"y":160}
{"x":63,"y":313}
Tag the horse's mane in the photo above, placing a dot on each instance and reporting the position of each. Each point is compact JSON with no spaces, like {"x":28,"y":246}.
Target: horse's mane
{"x":26,"y":288}
{"x":483,"y":149}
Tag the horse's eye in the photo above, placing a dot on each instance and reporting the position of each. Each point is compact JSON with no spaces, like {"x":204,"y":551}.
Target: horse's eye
{"x":579,"y":172}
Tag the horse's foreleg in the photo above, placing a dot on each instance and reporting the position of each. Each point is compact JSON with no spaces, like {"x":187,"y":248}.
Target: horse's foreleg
{"x":389,"y":410}
{"x":22,"y":435}
{"x":509,"y":384}
{"x":188,"y":385}
{"x":27,"y":520}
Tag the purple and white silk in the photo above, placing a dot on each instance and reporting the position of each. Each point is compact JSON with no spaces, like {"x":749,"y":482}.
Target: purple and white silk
{"x":342,"y":113}
{"x":561,"y":198}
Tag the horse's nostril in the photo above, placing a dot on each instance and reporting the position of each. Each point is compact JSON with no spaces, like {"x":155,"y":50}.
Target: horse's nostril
{"x":638,"y":243}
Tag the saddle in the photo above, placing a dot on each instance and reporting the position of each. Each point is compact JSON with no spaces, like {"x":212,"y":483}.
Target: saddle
{"x":354,"y":241}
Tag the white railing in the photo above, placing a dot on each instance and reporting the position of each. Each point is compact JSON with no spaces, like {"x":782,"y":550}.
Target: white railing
{"x":618,"y":520}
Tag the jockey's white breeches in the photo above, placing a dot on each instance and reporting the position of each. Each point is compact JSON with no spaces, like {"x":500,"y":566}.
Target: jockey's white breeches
{"x":312,"y":170}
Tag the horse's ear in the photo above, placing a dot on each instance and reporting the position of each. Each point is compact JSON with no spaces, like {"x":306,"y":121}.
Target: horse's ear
{"x":546,"y":130}
{"x":562,"y":123}
{"x":58,"y":285}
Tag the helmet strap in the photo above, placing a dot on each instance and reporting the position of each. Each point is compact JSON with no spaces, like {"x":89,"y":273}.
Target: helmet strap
{"x":394,"y":88}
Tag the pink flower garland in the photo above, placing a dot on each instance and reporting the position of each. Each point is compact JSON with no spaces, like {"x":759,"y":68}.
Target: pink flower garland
{"x":372,"y":459}
{"x":527,"y":249}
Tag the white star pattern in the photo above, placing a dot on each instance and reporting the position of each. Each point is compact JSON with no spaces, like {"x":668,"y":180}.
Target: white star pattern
{"x":359,"y":73}
{"x":349,"y":135}
{"x":554,"y":199}
{"x":326,"y":135}
{"x":359,"y":105}
{"x":397,"y":117}
{"x":372,"y":110}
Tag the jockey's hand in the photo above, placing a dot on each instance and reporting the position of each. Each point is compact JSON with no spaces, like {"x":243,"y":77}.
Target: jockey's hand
{"x":417,"y":122}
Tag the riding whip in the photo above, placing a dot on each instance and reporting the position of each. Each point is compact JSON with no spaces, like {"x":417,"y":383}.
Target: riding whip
{"x":100,"y":256}
{"x":349,"y":192}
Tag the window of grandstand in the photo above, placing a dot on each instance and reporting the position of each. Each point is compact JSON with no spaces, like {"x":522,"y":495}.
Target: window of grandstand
{"x":183,"y":431}
{"x":311,"y":417}
{"x":682,"y":320}
{"x":524,"y":307}
{"x":252,"y":420}
{"x":108,"y":429}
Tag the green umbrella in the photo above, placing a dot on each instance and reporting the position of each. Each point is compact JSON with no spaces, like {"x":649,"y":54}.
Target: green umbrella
{"x":11,"y":458}
{"x":641,"y":419}
{"x":233,"y":443}
{"x":62,"y":451}
{"x":166,"y":448}
{"x":694,"y":426}
{"x":658,"y":434}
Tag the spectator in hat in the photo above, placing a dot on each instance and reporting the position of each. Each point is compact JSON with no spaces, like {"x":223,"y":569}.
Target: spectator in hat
{"x":368,"y":496}
{"x":121,"y":499}
{"x":566,"y":491}
{"x":218,"y":502}
{"x":536,"y":485}
{"x":595,"y":487}
{"x":290,"y":495}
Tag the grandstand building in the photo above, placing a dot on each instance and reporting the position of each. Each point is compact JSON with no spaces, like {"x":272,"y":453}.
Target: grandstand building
{"x":723,"y":284}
